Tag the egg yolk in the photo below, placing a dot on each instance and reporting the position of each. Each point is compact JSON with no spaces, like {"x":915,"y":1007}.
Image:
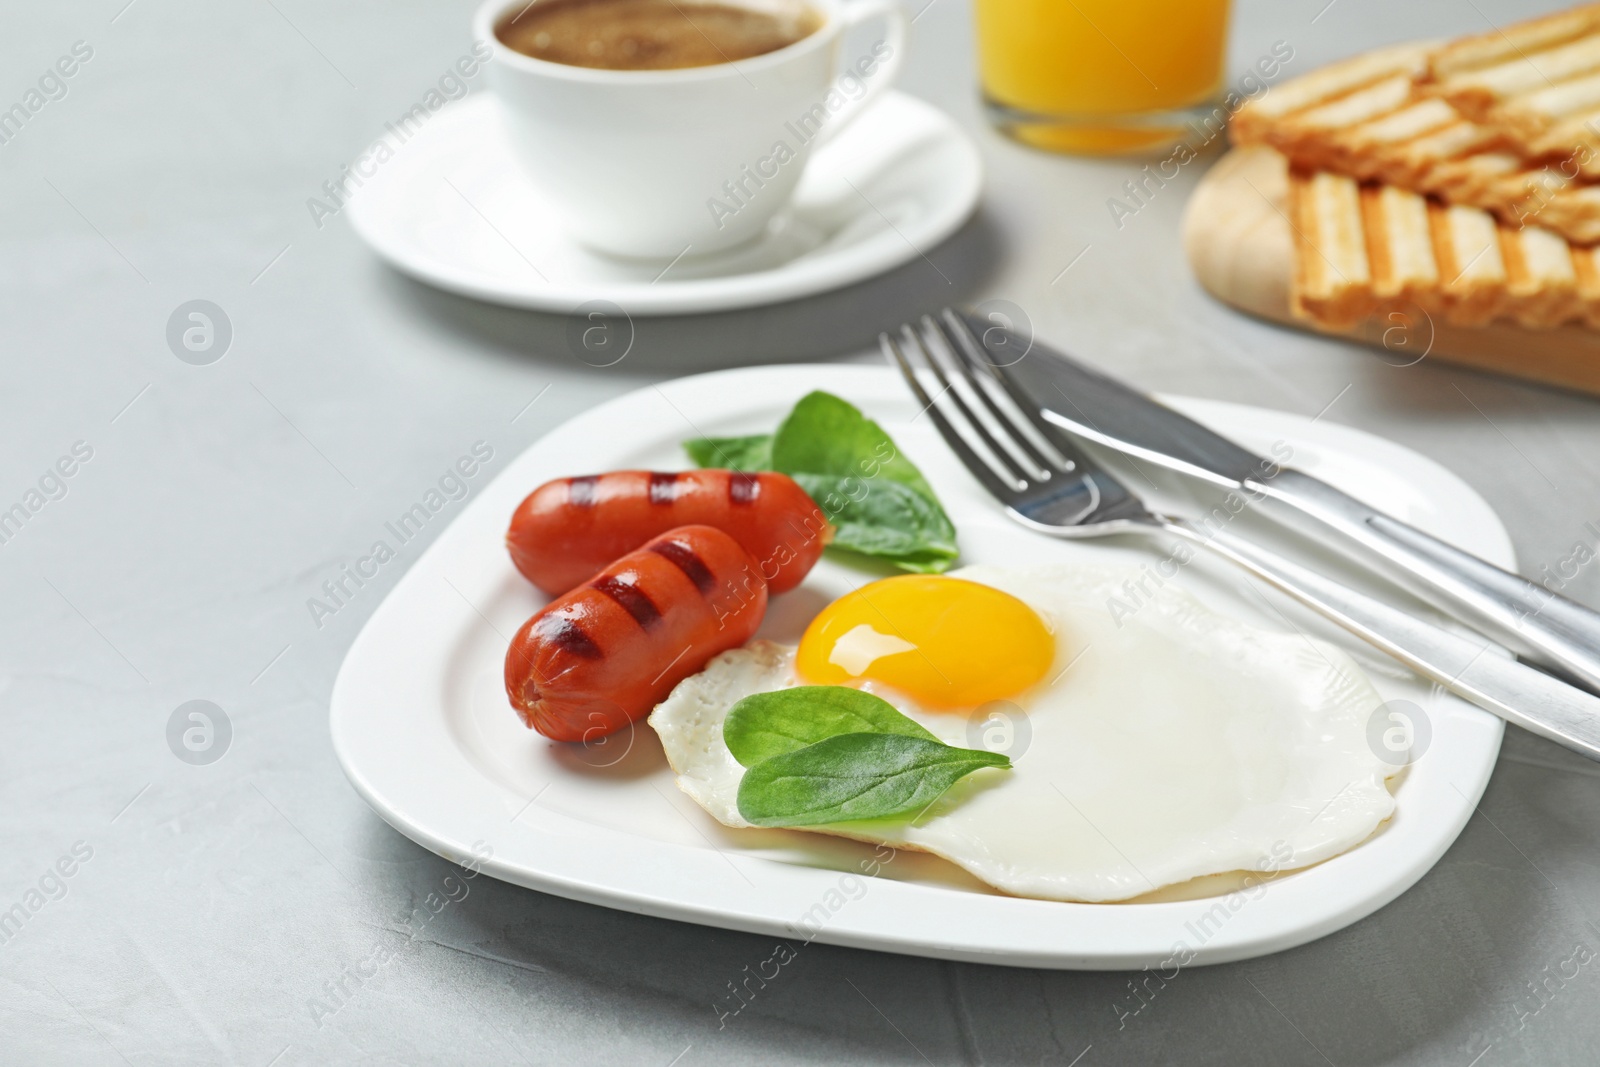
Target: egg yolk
{"x":946,"y":642}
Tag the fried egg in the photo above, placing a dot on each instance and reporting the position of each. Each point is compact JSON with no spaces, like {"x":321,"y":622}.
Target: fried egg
{"x":944,"y":642}
{"x":1153,"y":748}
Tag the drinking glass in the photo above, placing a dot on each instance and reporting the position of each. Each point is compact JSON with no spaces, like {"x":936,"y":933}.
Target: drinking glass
{"x":1100,"y":76}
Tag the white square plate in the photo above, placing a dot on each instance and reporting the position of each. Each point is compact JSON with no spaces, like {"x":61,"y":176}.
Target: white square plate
{"x":421,"y":723}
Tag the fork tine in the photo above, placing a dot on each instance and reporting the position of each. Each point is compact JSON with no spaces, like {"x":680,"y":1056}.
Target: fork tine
{"x":975,"y":463}
{"x":957,"y":327}
{"x":1024,"y":448}
{"x":1004,"y":458}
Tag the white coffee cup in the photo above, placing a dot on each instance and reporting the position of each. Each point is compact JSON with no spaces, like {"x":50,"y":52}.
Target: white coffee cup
{"x":658,"y":164}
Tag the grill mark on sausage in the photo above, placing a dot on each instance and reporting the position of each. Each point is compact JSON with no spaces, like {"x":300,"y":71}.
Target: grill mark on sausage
{"x":686,"y":560}
{"x":567,"y":636}
{"x":633,"y":600}
{"x":580,"y":491}
{"x":663,"y":488}
{"x":743,"y":488}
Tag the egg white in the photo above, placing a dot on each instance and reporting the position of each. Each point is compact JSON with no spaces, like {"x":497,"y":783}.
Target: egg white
{"x":1166,"y":745}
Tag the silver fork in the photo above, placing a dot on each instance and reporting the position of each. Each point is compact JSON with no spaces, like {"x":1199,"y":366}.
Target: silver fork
{"x":1048,"y":485}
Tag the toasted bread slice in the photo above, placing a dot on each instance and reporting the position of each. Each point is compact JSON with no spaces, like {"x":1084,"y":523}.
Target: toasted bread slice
{"x":1586,"y":267}
{"x":1541,"y":281}
{"x":1364,"y":250}
{"x":1496,"y":47}
{"x":1332,"y":275}
{"x":1399,"y":244}
{"x":1472,"y":271}
{"x":1325,"y":84}
{"x":1372,"y":118}
{"x":1237,"y":238}
{"x":1536,"y":84}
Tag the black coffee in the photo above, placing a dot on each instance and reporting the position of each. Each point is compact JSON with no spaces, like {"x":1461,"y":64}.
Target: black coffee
{"x":649,"y":34}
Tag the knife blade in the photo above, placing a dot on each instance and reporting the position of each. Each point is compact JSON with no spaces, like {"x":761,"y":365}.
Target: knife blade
{"x":1547,"y":628}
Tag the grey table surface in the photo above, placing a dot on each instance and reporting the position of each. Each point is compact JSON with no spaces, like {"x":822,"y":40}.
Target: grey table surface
{"x":209,"y":907}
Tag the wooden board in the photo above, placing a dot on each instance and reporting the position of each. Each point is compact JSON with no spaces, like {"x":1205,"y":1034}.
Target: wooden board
{"x":1237,"y":238}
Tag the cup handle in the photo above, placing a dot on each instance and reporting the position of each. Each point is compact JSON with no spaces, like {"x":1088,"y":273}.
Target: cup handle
{"x":855,"y":13}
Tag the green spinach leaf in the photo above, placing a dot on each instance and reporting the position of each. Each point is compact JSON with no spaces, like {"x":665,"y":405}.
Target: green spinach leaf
{"x":884,"y":518}
{"x":827,"y":435}
{"x":770,"y":724}
{"x":752,"y":453}
{"x":877,"y":499}
{"x":855,"y":776}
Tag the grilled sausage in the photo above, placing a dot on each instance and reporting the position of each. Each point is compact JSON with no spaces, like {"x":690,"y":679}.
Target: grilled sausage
{"x":605,"y":653}
{"x":568,"y":529}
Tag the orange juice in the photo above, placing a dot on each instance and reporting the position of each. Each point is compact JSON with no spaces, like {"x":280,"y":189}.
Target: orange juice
{"x":1099,"y":75}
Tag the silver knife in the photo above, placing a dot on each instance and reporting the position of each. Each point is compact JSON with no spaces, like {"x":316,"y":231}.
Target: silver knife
{"x":1543,"y":626}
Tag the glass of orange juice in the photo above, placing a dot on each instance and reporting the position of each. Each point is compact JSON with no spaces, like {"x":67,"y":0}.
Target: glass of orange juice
{"x":1100,"y":76}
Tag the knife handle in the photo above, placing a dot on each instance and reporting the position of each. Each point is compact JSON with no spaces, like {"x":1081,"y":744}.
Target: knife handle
{"x":1474,"y":670}
{"x":1544,"y":626}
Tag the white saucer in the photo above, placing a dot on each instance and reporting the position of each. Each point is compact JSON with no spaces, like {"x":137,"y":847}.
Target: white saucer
{"x":452,"y":208}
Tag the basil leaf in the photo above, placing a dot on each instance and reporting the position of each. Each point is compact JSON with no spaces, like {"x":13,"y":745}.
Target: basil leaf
{"x":855,"y":776}
{"x":884,"y":518}
{"x":769,"y":724}
{"x":752,"y":453}
{"x":826,"y":435}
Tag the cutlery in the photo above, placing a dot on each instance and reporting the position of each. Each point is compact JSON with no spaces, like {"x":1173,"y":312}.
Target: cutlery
{"x":1048,"y":485}
{"x":1546,"y":627}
